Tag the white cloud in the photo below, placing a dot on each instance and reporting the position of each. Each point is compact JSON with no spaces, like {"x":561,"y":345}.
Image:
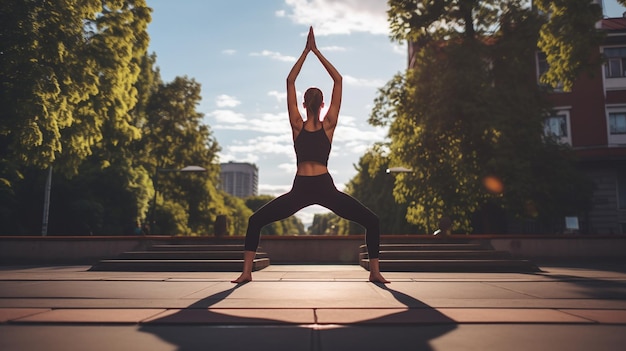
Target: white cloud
{"x":290,"y":167}
{"x":362,"y":82}
{"x":400,"y":49}
{"x":227,"y":101}
{"x":340,"y":16}
{"x":346,"y":121}
{"x":333,"y":48}
{"x":350,"y":139}
{"x":264,"y":123}
{"x":261,"y":148}
{"x":274,"y":55}
{"x":280,"y":13}
{"x":227,"y":157}
{"x":227,"y":116}
{"x":229,"y":52}
{"x":275,"y":190}
{"x":280,"y":96}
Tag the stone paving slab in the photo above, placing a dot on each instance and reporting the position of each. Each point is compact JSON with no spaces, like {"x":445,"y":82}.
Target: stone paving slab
{"x":500,"y":315}
{"x":381,"y":316}
{"x":442,"y":337}
{"x":94,"y":289}
{"x":248,"y":316}
{"x":254,"y":316}
{"x":312,"y":308}
{"x":11,"y":314}
{"x":600,"y":316}
{"x":91,"y":315}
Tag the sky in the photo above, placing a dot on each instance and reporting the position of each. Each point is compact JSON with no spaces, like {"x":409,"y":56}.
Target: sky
{"x":241,"y":51}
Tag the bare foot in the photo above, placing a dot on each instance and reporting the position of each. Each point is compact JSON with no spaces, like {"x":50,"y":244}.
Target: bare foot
{"x":243,"y":278}
{"x":378,"y":278}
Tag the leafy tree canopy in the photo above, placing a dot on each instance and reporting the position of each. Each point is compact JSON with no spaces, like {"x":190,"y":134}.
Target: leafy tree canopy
{"x":469,"y":111}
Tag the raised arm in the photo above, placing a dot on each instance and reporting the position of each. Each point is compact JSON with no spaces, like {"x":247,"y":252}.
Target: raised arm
{"x":335,"y":102}
{"x":292,"y":101}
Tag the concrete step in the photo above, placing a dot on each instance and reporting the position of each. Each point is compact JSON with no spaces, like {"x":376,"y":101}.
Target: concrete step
{"x":439,"y":254}
{"x":199,"y":247}
{"x":186,"y":255}
{"x":476,"y":266}
{"x":430,"y":247}
{"x":183,"y":258}
{"x":443,"y":255}
{"x":119,"y":265}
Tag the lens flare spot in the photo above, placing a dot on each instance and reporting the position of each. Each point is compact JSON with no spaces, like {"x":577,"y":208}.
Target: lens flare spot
{"x":493,"y":184}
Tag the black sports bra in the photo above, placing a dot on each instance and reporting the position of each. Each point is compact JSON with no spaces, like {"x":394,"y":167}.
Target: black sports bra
{"x":312,"y":146}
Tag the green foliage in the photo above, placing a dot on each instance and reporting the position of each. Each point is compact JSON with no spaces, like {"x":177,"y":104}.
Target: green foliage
{"x":455,"y":118}
{"x":78,"y":91}
{"x":99,"y":201}
{"x":172,"y":218}
{"x":329,"y":224}
{"x":373,"y":187}
{"x":68,"y":71}
{"x":568,"y":39}
{"x":439,"y":132}
{"x":175,"y":137}
{"x":427,"y":20}
{"x":567,"y":35}
{"x":288,"y":226}
{"x":237,"y":214}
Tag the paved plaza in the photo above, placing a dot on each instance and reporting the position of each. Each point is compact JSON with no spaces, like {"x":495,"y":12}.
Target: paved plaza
{"x":313,"y":308}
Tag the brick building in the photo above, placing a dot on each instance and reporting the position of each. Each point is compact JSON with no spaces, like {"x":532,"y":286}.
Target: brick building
{"x":592,"y":119}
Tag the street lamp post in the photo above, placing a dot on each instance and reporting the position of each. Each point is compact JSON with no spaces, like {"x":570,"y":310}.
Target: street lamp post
{"x":398,"y":170}
{"x":46,"y":203}
{"x":156,"y":181}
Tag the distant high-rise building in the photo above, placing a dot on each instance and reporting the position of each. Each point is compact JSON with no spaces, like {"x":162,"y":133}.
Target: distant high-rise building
{"x":239,"y":179}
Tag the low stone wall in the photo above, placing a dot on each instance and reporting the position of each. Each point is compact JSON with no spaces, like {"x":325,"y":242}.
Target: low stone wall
{"x":313,"y":249}
{"x":89,"y":250}
{"x":65,"y":250}
{"x":301,"y":249}
{"x":564,"y":248}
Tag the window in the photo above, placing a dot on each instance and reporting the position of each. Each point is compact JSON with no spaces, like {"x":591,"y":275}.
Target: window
{"x":616,"y":62}
{"x":617,"y":123}
{"x":556,"y":126}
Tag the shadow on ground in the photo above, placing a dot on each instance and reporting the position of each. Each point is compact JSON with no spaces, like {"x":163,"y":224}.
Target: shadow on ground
{"x":199,"y":328}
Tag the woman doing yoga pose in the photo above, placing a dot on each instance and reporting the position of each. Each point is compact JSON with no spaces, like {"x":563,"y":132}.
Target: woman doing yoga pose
{"x":313,"y":184}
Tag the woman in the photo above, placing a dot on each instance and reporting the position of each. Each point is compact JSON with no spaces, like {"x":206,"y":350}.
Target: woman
{"x":313,"y":184}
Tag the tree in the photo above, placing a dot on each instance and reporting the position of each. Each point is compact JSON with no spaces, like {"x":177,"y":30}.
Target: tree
{"x":567,"y":35}
{"x":569,"y":39}
{"x":328,"y":224}
{"x":99,"y":201}
{"x":373,"y":187}
{"x":288,"y":226}
{"x":67,"y":72}
{"x":175,"y":137}
{"x":456,"y":120}
{"x":238,"y":214}
{"x":78,"y":91}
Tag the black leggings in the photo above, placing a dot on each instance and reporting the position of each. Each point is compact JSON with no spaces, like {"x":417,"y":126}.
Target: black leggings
{"x":315,"y":190}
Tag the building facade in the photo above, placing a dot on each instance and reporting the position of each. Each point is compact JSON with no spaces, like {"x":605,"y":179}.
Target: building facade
{"x":592,"y":119}
{"x":239,"y":179}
